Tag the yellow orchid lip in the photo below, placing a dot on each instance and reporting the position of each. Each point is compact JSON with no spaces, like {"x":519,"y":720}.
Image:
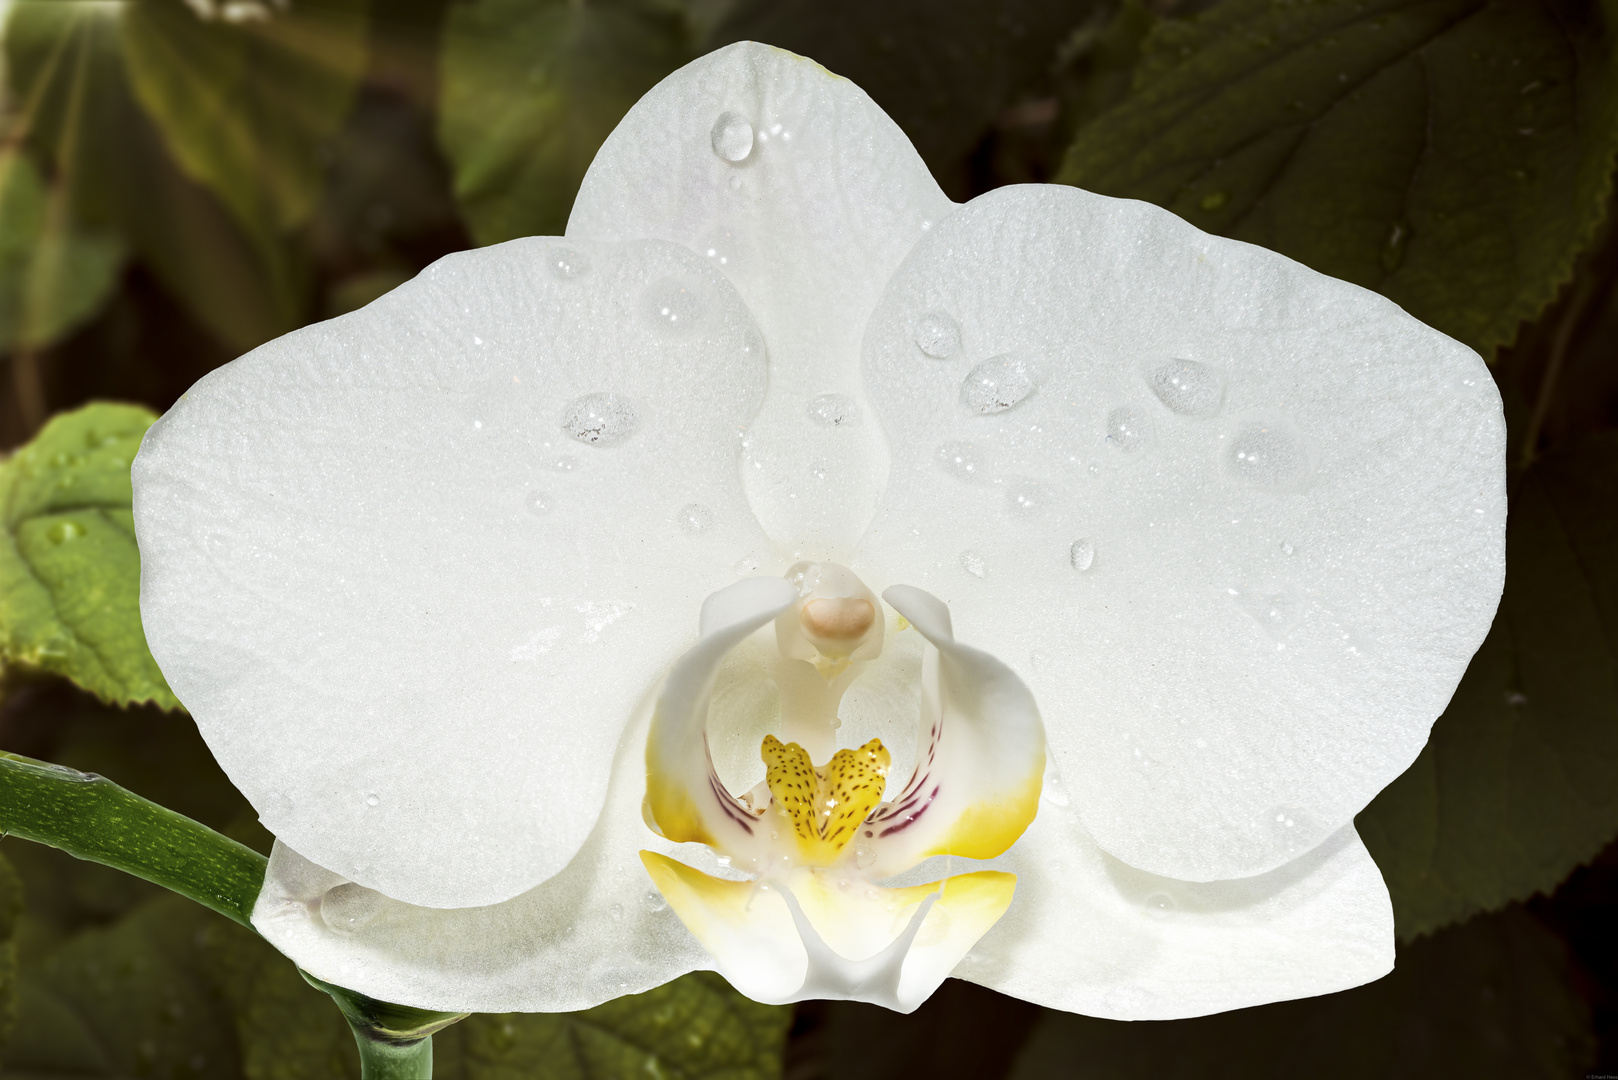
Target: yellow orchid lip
{"x":816,"y":841}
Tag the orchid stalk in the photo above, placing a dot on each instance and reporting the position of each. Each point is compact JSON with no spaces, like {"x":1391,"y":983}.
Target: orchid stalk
{"x":792,"y":573}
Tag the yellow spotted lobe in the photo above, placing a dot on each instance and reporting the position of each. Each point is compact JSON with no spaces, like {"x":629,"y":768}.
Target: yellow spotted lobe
{"x":825,"y":806}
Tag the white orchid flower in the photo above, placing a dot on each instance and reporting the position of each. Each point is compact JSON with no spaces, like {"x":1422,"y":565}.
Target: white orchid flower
{"x":531,"y":604}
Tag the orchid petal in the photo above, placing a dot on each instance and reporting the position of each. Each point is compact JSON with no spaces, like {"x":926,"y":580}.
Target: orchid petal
{"x":380,"y":554}
{"x":1240,"y":526}
{"x":1090,"y":934}
{"x":801,"y":191}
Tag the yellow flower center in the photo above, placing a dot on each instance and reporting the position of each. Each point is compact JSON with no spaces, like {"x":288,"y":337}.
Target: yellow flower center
{"x":826,"y":805}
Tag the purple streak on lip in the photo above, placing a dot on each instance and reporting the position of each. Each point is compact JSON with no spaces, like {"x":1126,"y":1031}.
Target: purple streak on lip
{"x":912,"y":818}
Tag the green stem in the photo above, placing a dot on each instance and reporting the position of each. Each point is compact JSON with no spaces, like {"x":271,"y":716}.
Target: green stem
{"x":384,"y":1060}
{"x":92,"y":818}
{"x":395,"y":1041}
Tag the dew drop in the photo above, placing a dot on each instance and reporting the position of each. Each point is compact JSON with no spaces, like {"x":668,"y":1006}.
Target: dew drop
{"x":1187,"y":387}
{"x":1264,"y":456}
{"x":654,"y":901}
{"x":864,"y":855}
{"x":973,"y":564}
{"x":538,"y":503}
{"x":1128,"y":429}
{"x":732,"y":137}
{"x":937,"y":335}
{"x":1082,"y":555}
{"x":672,"y":306}
{"x":962,"y":460}
{"x":997,"y":384}
{"x":617,"y":912}
{"x":65,"y":532}
{"x":1026,"y":498}
{"x":694,"y":519}
{"x":565,"y":463}
{"x":834,"y":410}
{"x":1393,"y":246}
{"x":373,"y":799}
{"x":347,"y":907}
{"x":600,"y":419}
{"x":1159,"y":904}
{"x":567,"y":263}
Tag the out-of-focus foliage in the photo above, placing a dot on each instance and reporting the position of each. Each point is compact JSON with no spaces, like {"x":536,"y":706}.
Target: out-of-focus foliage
{"x":530,"y":90}
{"x":1455,"y":155}
{"x":10,"y":908}
{"x":1491,"y":999}
{"x":1516,"y":787}
{"x":69,"y":570}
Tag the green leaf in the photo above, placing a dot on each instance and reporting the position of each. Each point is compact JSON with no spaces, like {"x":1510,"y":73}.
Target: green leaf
{"x":131,"y":999}
{"x":1489,"y":999}
{"x":1454,"y":155}
{"x":944,"y":72}
{"x":1515,"y":787}
{"x":694,"y":1028}
{"x":10,"y":909}
{"x":529,"y":92}
{"x":54,"y":274}
{"x":247,"y":105}
{"x":66,"y":69}
{"x":69,"y":569}
{"x":90,"y":817}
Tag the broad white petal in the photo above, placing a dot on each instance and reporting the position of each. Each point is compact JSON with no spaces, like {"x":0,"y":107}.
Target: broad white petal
{"x":595,"y":931}
{"x":411,"y":576}
{"x":1239,"y":526}
{"x":795,"y":186}
{"x":820,"y":936}
{"x":1087,"y":933}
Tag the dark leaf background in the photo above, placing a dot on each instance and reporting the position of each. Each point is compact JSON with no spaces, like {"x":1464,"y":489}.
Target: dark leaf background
{"x":181,"y":181}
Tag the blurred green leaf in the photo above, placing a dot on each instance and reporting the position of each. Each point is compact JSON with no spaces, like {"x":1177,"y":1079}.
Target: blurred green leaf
{"x":1489,"y":999}
{"x":10,"y":909}
{"x":1454,"y":155}
{"x":1515,"y":787}
{"x":945,"y":72}
{"x":54,"y":274}
{"x":69,"y":569}
{"x":694,"y":1028}
{"x":530,"y":88}
{"x":70,"y":84}
{"x":247,"y":103}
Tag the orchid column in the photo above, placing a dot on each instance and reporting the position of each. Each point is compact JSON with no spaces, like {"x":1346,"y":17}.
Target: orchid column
{"x":1183,"y":547}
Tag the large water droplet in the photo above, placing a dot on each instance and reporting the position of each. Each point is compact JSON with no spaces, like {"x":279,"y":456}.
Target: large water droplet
{"x":1187,"y":387}
{"x":962,"y":460}
{"x":600,"y":419}
{"x":1082,"y":555}
{"x":539,"y":503}
{"x":937,"y":335}
{"x":834,"y":410}
{"x":1265,"y":456}
{"x":566,"y":263}
{"x":1128,"y":429}
{"x":732,"y":137}
{"x":1026,"y":498}
{"x":673,"y":306}
{"x":347,"y":907}
{"x":997,"y":384}
{"x":973,"y":564}
{"x":694,"y":518}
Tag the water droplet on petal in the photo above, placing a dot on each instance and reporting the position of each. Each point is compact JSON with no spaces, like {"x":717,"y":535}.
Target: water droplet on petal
{"x":1026,"y":498}
{"x":538,"y":503}
{"x":567,"y":263}
{"x":1159,"y":904}
{"x":834,"y":410}
{"x":997,"y":384}
{"x":937,"y":335}
{"x":373,"y":799}
{"x":347,"y":907}
{"x":694,"y":518}
{"x":600,"y":419}
{"x":1187,"y":387}
{"x":973,"y":564}
{"x":673,"y":306}
{"x":1128,"y":429}
{"x":654,"y":901}
{"x":864,"y":855}
{"x":565,"y":463}
{"x":1082,"y":555}
{"x":732,"y":137}
{"x":1264,"y":456}
{"x":962,"y":460}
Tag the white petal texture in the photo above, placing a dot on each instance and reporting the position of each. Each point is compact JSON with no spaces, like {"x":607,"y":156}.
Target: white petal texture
{"x":802,"y":192}
{"x":428,"y":576}
{"x":1239,"y":525}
